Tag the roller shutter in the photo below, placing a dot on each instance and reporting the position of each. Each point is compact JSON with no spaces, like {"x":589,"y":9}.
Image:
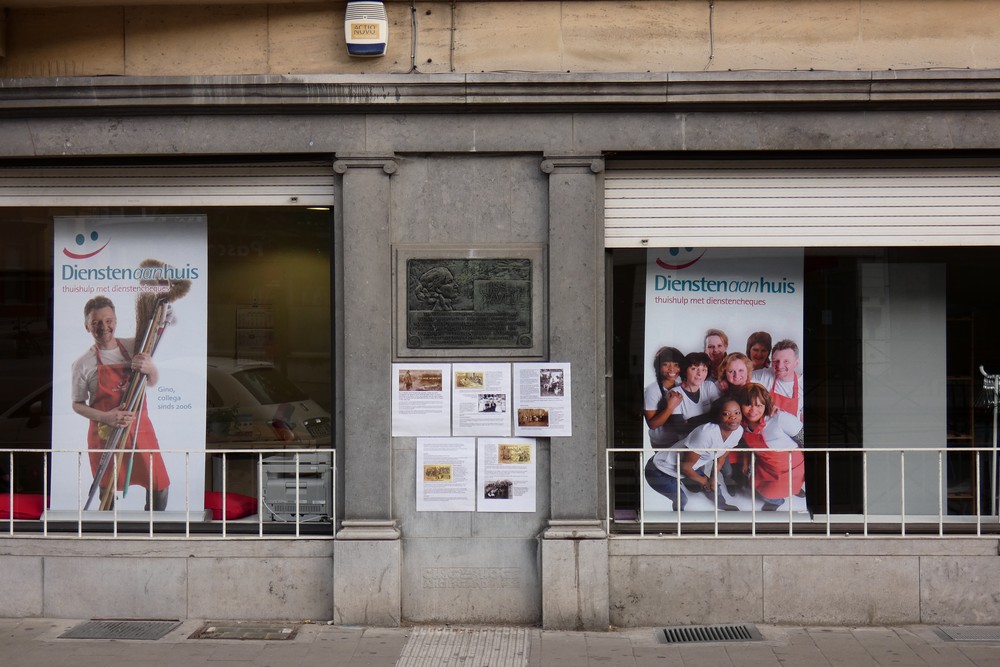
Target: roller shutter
{"x":783,"y":204}
{"x":259,"y":184}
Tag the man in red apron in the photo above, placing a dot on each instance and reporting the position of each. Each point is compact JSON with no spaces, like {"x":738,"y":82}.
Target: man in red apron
{"x":782,"y":378}
{"x":99,"y":379}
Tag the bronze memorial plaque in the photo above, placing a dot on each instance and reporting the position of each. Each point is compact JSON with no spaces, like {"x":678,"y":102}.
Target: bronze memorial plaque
{"x":469,"y":303}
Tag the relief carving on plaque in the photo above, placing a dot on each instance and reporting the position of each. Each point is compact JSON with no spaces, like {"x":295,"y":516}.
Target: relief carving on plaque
{"x":468,"y":303}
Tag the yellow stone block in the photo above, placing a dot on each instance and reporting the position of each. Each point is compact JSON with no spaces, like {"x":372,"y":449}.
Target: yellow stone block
{"x":63,"y":42}
{"x":518,"y":36}
{"x":785,"y":35}
{"x":193,"y":40}
{"x":953,"y":34}
{"x":656,"y":36}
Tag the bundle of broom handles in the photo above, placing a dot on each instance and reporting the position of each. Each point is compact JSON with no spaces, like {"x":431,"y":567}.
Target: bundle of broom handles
{"x":123,"y":438}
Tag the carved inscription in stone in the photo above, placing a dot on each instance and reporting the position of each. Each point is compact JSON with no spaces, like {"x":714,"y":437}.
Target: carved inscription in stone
{"x":468,"y":303}
{"x":472,"y":577}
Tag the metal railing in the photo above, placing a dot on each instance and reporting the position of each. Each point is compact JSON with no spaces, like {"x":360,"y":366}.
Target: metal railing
{"x":295,"y":518}
{"x":972,"y":511}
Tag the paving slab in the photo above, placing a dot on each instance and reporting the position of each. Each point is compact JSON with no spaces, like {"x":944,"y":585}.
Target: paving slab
{"x":35,"y":642}
{"x":752,"y":656}
{"x":841,"y":647}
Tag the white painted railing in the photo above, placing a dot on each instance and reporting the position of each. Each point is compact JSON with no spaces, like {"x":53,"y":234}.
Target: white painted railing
{"x":980,"y":520}
{"x":295,"y":519}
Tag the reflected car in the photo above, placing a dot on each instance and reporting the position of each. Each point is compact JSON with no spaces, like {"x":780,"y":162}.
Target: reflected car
{"x":26,"y":425}
{"x":246,"y":402}
{"x":251,"y":401}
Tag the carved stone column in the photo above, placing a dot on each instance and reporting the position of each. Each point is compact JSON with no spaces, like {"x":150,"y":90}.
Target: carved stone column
{"x":366,"y":568}
{"x":574,"y":546}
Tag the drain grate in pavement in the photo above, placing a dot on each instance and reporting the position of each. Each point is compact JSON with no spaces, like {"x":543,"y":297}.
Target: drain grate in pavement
{"x":468,"y":647}
{"x":970,"y":633}
{"x":693,"y":634}
{"x":112,"y":629}
{"x":245,"y":630}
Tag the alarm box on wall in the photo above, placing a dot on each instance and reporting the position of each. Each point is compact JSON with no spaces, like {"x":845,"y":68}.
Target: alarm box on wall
{"x":366,"y":28}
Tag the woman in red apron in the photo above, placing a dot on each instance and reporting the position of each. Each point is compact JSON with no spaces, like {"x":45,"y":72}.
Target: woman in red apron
{"x":779,"y":465}
{"x":105,"y":370}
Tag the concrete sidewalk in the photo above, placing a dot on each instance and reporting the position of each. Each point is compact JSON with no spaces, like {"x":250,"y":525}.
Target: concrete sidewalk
{"x":36,"y":643}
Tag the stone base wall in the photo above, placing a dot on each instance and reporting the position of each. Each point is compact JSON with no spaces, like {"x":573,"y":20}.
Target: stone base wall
{"x":652,"y":582}
{"x":805,"y":581}
{"x":101,"y":578}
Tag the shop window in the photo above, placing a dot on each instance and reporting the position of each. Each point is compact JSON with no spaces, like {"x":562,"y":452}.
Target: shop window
{"x":266,"y":336}
{"x":889,"y":344}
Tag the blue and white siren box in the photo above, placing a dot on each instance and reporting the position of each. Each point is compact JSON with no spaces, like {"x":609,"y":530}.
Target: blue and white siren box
{"x":366,"y":28}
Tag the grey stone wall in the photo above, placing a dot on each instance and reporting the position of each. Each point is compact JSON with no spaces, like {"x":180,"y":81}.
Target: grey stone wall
{"x":239,"y":579}
{"x":468,"y":567}
{"x":805,"y":581}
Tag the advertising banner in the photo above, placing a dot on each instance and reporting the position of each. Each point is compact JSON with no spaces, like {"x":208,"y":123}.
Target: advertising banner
{"x":129,"y":363}
{"x":723,"y":379}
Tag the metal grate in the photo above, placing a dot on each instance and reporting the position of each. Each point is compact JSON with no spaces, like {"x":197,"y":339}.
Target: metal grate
{"x":245,"y":630}
{"x":692,"y":634}
{"x":120,"y":630}
{"x":305,"y":508}
{"x":970,"y":633}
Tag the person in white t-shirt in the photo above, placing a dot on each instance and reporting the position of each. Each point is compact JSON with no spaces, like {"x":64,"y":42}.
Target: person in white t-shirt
{"x":695,"y":394}
{"x":698,"y":457}
{"x":782,"y":378}
{"x":688,"y":403}
{"x":656,"y":409}
{"x":100,"y":378}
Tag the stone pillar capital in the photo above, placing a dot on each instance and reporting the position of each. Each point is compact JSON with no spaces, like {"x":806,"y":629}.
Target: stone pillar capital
{"x":369,"y":530}
{"x":553,"y":163}
{"x":388,"y":164}
{"x":575,"y":529}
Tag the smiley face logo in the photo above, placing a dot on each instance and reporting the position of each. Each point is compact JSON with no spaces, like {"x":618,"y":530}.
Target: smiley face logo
{"x":85,"y":241}
{"x":681,"y":258}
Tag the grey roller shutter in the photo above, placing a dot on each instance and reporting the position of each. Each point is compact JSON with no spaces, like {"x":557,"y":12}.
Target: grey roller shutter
{"x":754,"y":205}
{"x":263,"y":184}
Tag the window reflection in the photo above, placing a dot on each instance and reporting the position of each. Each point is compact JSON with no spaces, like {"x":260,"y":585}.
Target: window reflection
{"x":261,"y":260}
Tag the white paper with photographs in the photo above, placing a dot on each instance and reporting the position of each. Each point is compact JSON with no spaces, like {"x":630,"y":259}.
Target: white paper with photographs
{"x":543,"y":399}
{"x":446,"y":474}
{"x":506,"y":475}
{"x":480,"y":399}
{"x":723,"y":323}
{"x":421,"y":399}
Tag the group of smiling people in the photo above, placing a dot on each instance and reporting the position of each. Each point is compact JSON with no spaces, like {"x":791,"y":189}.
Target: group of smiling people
{"x":707,"y":411}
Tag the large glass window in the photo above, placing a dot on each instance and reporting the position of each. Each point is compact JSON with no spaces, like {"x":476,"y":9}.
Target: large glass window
{"x":889,"y":346}
{"x":268,"y":336}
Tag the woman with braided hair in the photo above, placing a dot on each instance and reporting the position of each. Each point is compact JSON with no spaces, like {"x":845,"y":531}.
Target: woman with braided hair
{"x":657,"y":406}
{"x":437,"y":288}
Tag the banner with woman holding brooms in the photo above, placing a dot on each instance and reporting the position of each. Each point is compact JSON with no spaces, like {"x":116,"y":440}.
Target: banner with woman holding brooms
{"x":118,"y":383}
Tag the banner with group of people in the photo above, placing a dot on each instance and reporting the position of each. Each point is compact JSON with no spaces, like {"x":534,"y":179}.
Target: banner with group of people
{"x":723,"y":392}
